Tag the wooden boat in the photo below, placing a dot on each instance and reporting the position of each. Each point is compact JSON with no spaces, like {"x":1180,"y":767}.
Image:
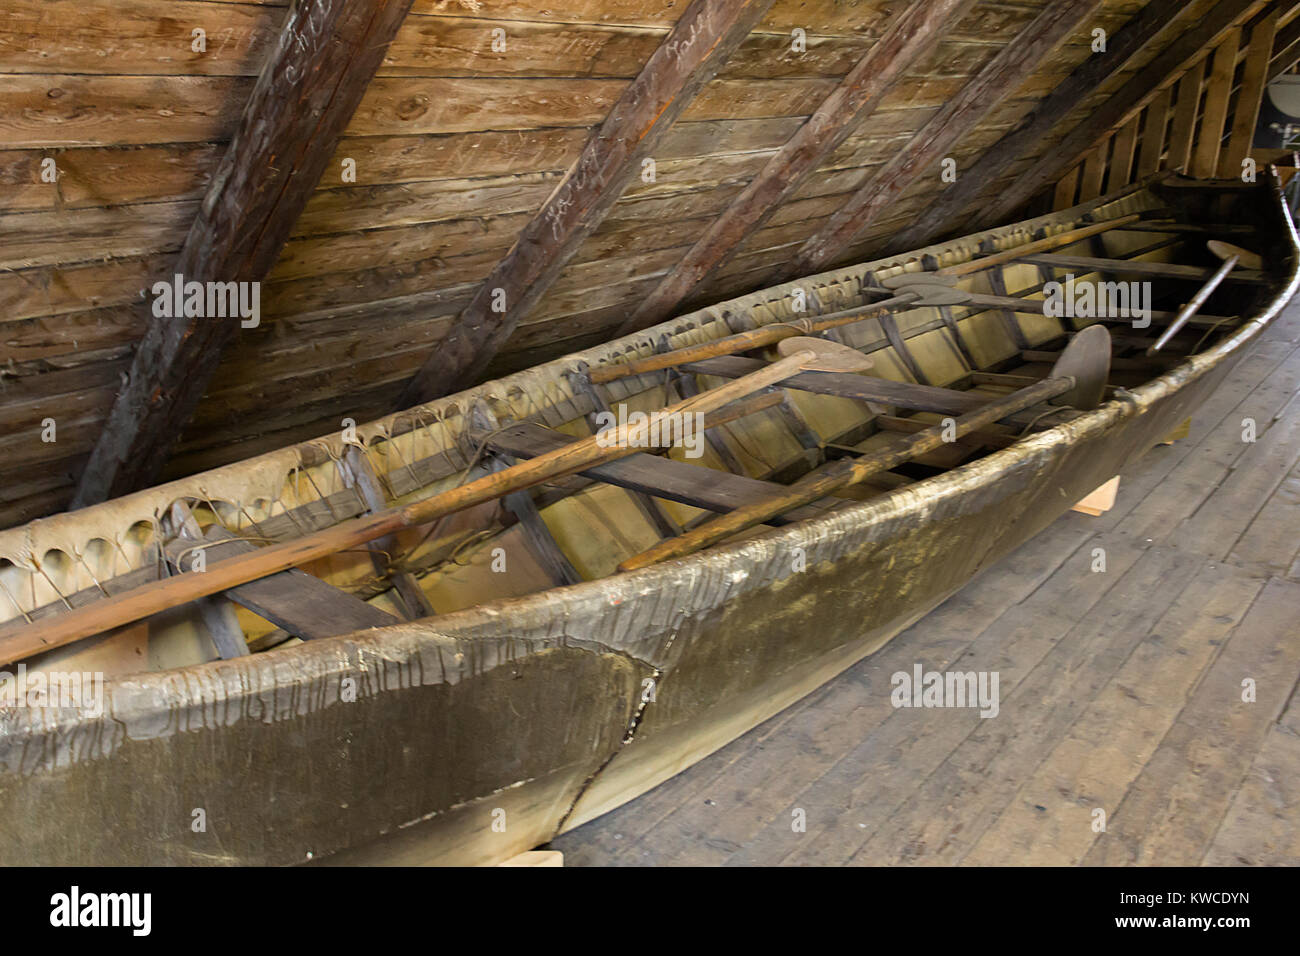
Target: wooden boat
{"x":466,"y":672}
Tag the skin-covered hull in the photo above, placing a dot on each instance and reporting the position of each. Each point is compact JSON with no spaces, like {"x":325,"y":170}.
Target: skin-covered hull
{"x":470,"y":737}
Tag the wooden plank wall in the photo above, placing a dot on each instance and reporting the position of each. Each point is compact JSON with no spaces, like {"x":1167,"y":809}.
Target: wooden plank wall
{"x":456,"y":145}
{"x":1201,"y":121}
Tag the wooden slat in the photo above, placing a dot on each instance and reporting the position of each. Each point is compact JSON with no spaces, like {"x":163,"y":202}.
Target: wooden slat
{"x":1133,"y":95}
{"x":1153,"y":133}
{"x":1186,"y":110}
{"x":998,"y":79}
{"x":692,"y":485}
{"x":921,"y":398}
{"x":1121,"y":156}
{"x":310,"y":85}
{"x":1245,"y":112}
{"x":303,"y":605}
{"x":910,"y":35}
{"x":697,"y":46}
{"x":1066,"y":189}
{"x":1205,"y":154}
{"x":1094,"y":172}
{"x":945,"y":212}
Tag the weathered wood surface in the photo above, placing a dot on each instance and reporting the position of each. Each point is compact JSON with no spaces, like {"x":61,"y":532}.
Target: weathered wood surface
{"x":910,"y":35}
{"x":311,"y":83}
{"x":945,"y":211}
{"x":1003,"y":74}
{"x":1217,"y":23}
{"x":638,"y":121}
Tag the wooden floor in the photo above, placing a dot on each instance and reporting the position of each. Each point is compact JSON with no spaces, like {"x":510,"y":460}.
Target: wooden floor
{"x":1121,"y":690}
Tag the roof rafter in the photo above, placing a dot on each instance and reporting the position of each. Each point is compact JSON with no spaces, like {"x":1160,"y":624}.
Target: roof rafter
{"x":1208,"y":32}
{"x":310,"y":85}
{"x":1128,"y":42}
{"x":998,"y":79}
{"x":909,"y":36}
{"x":697,"y":46}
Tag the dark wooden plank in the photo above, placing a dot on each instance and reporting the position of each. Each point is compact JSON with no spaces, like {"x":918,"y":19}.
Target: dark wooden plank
{"x":303,"y":605}
{"x":943,"y":214}
{"x":1136,"y":92}
{"x":921,"y":398}
{"x":1165,"y":270}
{"x":693,"y":51}
{"x":960,"y":115}
{"x":692,"y":485}
{"x":307,"y":91}
{"x":1214,"y":116}
{"x":909,"y":36}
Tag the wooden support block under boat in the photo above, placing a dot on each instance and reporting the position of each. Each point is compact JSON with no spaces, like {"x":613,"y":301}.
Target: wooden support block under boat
{"x":1099,"y":501}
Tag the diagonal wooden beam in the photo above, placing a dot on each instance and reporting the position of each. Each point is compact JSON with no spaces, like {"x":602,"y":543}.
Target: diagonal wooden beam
{"x":697,"y":46}
{"x":1286,"y":50}
{"x":308,"y":89}
{"x":943,"y":215}
{"x":909,"y":36}
{"x":1182,"y":53}
{"x":1245,"y":112}
{"x":998,"y":79}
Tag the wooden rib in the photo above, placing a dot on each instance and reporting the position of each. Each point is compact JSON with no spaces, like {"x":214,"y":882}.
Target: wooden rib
{"x":1245,"y":111}
{"x":1153,"y":133}
{"x":844,"y":473}
{"x":942,"y":215}
{"x":999,"y":78}
{"x":159,"y":595}
{"x":693,"y":485}
{"x":307,"y":91}
{"x":362,"y":478}
{"x":696,"y":47}
{"x":909,"y":37}
{"x":1132,"y":96}
{"x":1121,"y":156}
{"x":1186,"y":111}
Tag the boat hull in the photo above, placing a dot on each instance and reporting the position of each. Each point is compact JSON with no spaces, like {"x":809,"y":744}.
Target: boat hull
{"x":468,"y":738}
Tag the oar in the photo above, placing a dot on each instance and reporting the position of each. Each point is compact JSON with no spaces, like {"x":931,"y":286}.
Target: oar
{"x":1191,"y":308}
{"x":140,"y":602}
{"x":920,"y":289}
{"x":1080,"y":374}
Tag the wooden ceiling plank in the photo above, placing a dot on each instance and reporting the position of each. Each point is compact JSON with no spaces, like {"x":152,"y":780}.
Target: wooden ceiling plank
{"x":1153,"y":133}
{"x":1186,"y":109}
{"x":909,"y":36}
{"x":308,"y":89}
{"x":997,"y":80}
{"x":694,"y":50}
{"x":1132,"y":39}
{"x":1209,"y":140}
{"x":1254,"y":78}
{"x":1189,"y":47}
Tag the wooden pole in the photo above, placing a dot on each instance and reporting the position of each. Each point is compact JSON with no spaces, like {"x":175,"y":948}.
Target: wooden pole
{"x":845,"y":473}
{"x":156,"y":596}
{"x":1038,"y":245}
{"x":1191,"y":308}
